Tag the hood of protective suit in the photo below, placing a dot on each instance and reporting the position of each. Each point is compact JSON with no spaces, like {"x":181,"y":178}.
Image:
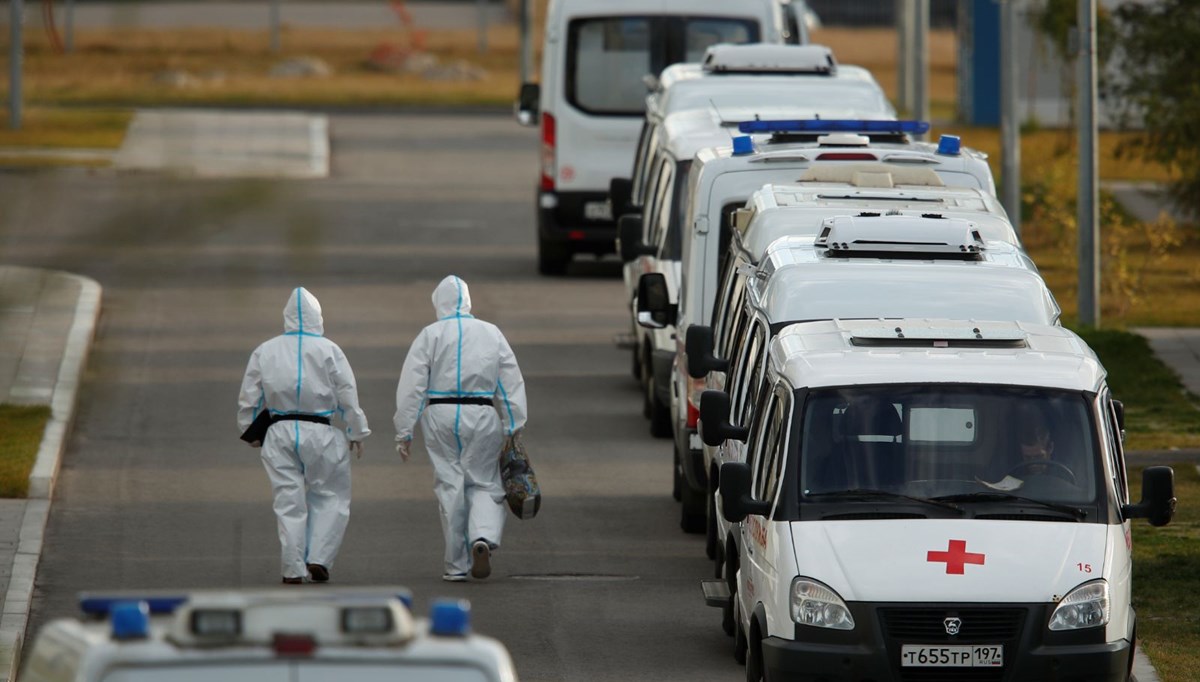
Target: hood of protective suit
{"x":451,"y":298}
{"x":303,"y":313}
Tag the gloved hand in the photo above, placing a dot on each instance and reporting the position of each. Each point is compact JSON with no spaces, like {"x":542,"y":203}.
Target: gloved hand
{"x":403,"y":448}
{"x":356,"y":447}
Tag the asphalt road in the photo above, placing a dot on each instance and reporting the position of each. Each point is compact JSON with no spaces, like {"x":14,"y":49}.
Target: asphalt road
{"x":157,"y":492}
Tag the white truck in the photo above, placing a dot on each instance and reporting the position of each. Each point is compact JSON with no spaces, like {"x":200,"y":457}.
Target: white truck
{"x":590,"y":101}
{"x":897,"y":525}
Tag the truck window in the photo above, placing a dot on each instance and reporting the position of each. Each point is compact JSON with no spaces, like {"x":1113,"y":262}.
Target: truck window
{"x":730,"y":301}
{"x":646,"y":139}
{"x":598,"y":48}
{"x":742,"y":377}
{"x":946,"y":439}
{"x":771,"y":449}
{"x":672,"y":246}
{"x":699,"y":34}
{"x":660,"y":206}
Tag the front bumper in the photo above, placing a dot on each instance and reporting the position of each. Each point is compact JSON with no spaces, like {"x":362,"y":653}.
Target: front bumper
{"x":871,"y":652}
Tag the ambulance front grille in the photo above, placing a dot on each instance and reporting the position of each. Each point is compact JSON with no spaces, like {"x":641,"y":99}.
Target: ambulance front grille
{"x":927,"y":625}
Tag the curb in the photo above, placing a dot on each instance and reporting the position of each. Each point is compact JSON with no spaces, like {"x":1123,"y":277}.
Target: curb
{"x":15,"y":616}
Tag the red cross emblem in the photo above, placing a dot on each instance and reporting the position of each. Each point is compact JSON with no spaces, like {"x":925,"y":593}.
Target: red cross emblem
{"x":956,"y":557}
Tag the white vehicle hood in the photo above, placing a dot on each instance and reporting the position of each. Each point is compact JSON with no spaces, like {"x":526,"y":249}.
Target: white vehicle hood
{"x":906,"y":560}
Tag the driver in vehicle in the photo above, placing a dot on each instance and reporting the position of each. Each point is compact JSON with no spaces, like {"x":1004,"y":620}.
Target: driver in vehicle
{"x":1036,"y":450}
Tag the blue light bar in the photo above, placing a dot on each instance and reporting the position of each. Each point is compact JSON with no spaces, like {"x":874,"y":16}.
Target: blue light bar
{"x":130,"y":620}
{"x":817,"y":125}
{"x":950,"y":145}
{"x":450,"y":617}
{"x":102,"y":605}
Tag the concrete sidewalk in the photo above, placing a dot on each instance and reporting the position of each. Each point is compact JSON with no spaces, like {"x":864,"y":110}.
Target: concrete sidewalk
{"x":47,"y":321}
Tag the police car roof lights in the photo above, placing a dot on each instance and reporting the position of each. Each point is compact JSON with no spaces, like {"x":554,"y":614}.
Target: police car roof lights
{"x":101,"y":605}
{"x":770,"y":59}
{"x":926,"y":237}
{"x":949,"y":145}
{"x":450,"y":617}
{"x":817,"y":125}
{"x":130,"y":620}
{"x":743,"y":145}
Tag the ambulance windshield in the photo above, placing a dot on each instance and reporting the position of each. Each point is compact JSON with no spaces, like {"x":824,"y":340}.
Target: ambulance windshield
{"x":987,"y":444}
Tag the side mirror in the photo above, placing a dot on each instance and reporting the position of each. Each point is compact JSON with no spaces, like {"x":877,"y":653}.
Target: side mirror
{"x":654,"y":307}
{"x":620,"y":194}
{"x":714,"y":420}
{"x":699,"y":346}
{"x":736,"y":503}
{"x":1158,"y":497}
{"x":629,"y":237}
{"x":528,"y":100}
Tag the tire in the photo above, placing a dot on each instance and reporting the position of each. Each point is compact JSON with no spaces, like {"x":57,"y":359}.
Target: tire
{"x":740,"y":645}
{"x":552,"y":258}
{"x":660,"y":416}
{"x":710,"y":526}
{"x":692,"y":519}
{"x":754,"y":659}
{"x":677,"y":479}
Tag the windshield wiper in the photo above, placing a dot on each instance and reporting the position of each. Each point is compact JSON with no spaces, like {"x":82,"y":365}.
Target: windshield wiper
{"x":864,"y":493}
{"x":1009,"y":497}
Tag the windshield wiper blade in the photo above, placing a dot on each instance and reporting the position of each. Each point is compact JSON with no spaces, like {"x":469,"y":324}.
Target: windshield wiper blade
{"x":1009,"y":497}
{"x":867,"y":494}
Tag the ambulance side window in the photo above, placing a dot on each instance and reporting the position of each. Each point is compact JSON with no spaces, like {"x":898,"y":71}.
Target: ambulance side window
{"x":728,"y":314}
{"x":658,"y":189}
{"x":1112,"y":433}
{"x":725,"y":234}
{"x":640,"y":161}
{"x":743,"y":390}
{"x":664,"y":190}
{"x":770,"y":451}
{"x":755,"y":447}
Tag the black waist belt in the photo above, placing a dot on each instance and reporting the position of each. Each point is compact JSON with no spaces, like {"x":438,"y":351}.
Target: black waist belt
{"x":461,"y":401}
{"x":300,"y":418}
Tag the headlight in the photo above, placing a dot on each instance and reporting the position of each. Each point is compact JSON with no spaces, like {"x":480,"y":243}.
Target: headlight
{"x":816,"y":604}
{"x":1085,"y":606}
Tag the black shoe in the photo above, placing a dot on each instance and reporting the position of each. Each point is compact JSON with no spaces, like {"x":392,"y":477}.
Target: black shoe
{"x":293,"y":581}
{"x":319,"y":573}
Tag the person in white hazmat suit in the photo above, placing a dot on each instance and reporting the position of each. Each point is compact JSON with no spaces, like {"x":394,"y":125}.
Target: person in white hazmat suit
{"x":304,"y":380}
{"x":461,"y":381}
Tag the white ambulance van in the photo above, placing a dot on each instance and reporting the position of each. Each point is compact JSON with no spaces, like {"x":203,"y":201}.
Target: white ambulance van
{"x":744,"y":83}
{"x":928,"y":267}
{"x":932,"y":500}
{"x":350,"y":634}
{"x":591,"y":98}
{"x":826,"y":190}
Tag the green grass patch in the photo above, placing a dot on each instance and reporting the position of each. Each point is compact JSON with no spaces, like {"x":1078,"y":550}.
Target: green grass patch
{"x":1159,"y":412}
{"x":67,"y":128}
{"x":1166,"y":581}
{"x":21,"y":428}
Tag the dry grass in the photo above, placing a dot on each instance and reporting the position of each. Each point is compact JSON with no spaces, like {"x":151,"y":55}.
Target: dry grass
{"x":63,"y":128}
{"x":126,"y":67}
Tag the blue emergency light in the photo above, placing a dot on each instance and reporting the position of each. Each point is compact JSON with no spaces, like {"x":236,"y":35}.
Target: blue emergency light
{"x":450,"y":617}
{"x":816,"y":125}
{"x":949,"y":145}
{"x":103,"y":605}
{"x":130,"y":620}
{"x":743,"y":145}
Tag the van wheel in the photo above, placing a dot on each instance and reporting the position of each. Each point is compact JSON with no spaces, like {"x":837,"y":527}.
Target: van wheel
{"x":754,"y":662}
{"x":692,"y":519}
{"x":710,"y":524}
{"x":676,"y":478}
{"x":660,"y":415}
{"x":552,"y":258}
{"x":739,"y":636}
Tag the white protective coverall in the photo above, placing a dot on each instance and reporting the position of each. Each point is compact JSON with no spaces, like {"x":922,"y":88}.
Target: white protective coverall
{"x":462,"y":357}
{"x":308,"y":463}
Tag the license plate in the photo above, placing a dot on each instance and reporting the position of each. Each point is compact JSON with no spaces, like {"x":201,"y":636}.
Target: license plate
{"x":977,"y":656}
{"x":597,"y":210}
